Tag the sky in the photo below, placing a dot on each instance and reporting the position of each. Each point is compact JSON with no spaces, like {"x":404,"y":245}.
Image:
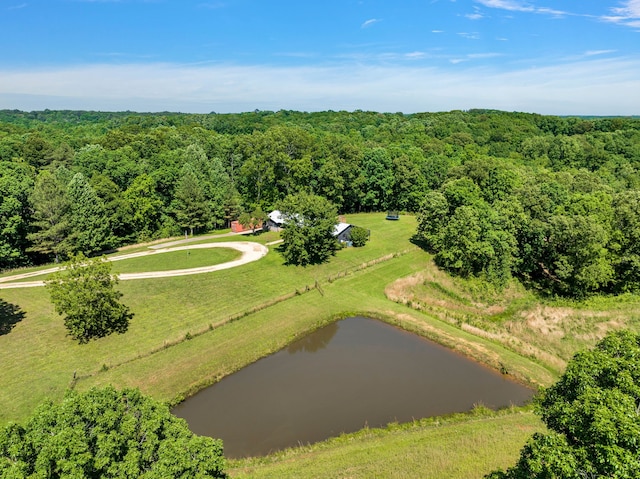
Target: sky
{"x":560,"y":57}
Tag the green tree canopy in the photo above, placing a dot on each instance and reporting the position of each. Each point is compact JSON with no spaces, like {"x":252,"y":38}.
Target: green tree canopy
{"x":476,"y":241}
{"x":309,"y":226}
{"x":50,"y":206}
{"x":142,"y":207}
{"x":189,"y":203}
{"x":84,"y":292}
{"x":378,"y":178}
{"x":107,"y":433}
{"x":15,"y":183}
{"x":253,"y":220}
{"x":593,"y":416}
{"x":432,"y":217}
{"x":359,"y":236}
{"x":89,"y":223}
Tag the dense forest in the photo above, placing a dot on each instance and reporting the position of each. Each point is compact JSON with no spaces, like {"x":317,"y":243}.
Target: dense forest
{"x":552,"y":201}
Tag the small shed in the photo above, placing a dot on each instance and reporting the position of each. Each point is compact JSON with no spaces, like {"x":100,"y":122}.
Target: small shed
{"x":393,"y":215}
{"x":342,"y":232}
{"x":275,"y":221}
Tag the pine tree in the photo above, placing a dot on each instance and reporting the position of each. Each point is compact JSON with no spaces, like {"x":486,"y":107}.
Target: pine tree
{"x":89,"y":222}
{"x":50,"y":207}
{"x":189,"y":204}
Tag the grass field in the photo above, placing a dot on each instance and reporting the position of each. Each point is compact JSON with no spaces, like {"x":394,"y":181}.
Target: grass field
{"x":190,"y":331}
{"x":39,"y":360}
{"x":159,"y":261}
{"x":193,"y":258}
{"x":459,"y":447}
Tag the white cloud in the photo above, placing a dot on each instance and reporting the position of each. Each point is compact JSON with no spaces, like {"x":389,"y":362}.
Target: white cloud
{"x":17,"y":6}
{"x":477,"y":56}
{"x":370,"y":22}
{"x":519,"y":6}
{"x":470,"y":35}
{"x":476,"y":15}
{"x":596,"y":86}
{"x":592,"y":53}
{"x":510,"y":5}
{"x":473,"y":56}
{"x":628,"y":14}
{"x":630,"y":9}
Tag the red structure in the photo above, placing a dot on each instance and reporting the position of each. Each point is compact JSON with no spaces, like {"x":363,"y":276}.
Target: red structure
{"x":236,"y":227}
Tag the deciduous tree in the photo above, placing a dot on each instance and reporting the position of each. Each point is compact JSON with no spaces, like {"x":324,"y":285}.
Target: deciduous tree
{"x":108,"y":434}
{"x":253,"y":220}
{"x":84,"y":293}
{"x":142,"y":207}
{"x":593,"y":416}
{"x":377,"y":169}
{"x":90,"y":229}
{"x":15,"y":184}
{"x":309,"y":226}
{"x":359,"y":236}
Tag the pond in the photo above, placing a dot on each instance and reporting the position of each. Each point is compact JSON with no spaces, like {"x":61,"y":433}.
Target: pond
{"x":353,"y":373}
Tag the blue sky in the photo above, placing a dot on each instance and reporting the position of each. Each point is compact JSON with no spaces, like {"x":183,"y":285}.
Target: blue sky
{"x":544,"y":56}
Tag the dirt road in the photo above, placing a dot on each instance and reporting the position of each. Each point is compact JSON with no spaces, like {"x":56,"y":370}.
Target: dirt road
{"x":250,"y":250}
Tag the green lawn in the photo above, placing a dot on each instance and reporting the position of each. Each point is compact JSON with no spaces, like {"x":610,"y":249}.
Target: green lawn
{"x":191,"y":331}
{"x":39,"y":360}
{"x":158,"y":261}
{"x":459,"y":447}
{"x":192,"y":258}
{"x":34,"y":269}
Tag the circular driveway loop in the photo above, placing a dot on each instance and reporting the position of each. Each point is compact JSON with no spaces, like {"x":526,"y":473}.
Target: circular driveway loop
{"x":250,"y":252}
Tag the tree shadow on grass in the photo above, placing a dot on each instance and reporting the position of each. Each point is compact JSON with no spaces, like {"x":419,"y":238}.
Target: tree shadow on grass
{"x":421,"y":243}
{"x":10,"y":315}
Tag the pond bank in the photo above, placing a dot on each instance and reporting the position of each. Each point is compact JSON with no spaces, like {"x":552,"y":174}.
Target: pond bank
{"x":346,"y":375}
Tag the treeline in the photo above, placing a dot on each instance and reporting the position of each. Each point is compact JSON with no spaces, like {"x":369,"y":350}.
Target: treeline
{"x":553,"y":199}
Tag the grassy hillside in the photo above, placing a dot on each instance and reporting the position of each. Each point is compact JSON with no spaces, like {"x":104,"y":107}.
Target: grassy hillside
{"x":40,"y":362}
{"x":457,"y":447}
{"x":191,"y":331}
{"x":548,"y":331}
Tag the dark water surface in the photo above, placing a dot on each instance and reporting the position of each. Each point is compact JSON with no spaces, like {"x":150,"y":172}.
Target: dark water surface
{"x":349,"y":374}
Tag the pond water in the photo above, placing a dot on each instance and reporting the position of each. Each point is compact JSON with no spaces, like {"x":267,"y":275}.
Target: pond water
{"x":353,"y":373}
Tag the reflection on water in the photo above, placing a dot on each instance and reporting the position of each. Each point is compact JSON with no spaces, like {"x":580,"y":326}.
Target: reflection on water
{"x":353,"y":373}
{"x":312,"y":343}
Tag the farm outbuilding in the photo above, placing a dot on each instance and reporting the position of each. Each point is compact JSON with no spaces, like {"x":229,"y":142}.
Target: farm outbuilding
{"x":236,"y":227}
{"x":275,"y":221}
{"x":342,"y":232}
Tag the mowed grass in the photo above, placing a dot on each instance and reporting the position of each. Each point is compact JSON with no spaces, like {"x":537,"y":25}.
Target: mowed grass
{"x":13,"y":272}
{"x":39,"y":361}
{"x":166,"y":261}
{"x":156,"y":260}
{"x":459,"y":447}
{"x":191,"y":331}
